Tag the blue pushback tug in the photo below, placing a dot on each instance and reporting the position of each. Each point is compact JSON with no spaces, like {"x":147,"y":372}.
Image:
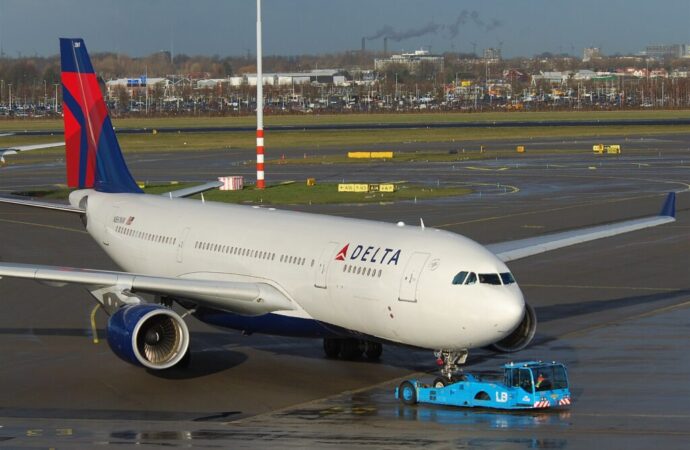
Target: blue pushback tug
{"x":525,"y":385}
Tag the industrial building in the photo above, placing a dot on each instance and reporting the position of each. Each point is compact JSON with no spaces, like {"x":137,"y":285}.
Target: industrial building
{"x":492,"y":55}
{"x":591,"y":53}
{"x":667,"y":51}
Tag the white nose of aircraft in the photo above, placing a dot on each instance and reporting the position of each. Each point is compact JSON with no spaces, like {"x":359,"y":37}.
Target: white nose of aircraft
{"x":506,"y":310}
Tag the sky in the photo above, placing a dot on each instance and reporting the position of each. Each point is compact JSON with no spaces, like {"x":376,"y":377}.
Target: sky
{"x":293,"y":27}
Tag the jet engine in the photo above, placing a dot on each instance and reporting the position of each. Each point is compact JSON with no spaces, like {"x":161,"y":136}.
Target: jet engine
{"x":149,"y":335}
{"x":521,"y":336}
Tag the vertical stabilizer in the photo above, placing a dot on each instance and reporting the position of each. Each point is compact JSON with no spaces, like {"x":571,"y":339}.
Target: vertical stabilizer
{"x":93,"y":156}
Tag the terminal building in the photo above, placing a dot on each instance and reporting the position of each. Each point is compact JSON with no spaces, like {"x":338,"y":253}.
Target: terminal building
{"x":413,"y":61}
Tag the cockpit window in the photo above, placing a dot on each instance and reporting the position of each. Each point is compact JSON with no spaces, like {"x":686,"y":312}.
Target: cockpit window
{"x":471,"y":278}
{"x":460,"y":278}
{"x":507,"y":278}
{"x":490,"y":278}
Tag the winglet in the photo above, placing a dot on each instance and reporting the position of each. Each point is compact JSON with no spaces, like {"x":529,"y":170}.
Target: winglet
{"x":669,"y":208}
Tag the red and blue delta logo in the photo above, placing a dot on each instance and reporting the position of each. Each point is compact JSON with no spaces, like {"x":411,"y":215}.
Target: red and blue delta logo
{"x":371,"y":254}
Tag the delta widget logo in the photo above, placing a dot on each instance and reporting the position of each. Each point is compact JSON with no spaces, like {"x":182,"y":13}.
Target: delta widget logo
{"x":371,"y":254}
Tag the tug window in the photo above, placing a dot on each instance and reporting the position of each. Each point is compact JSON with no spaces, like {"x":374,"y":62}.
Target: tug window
{"x":490,"y":278}
{"x":460,"y":278}
{"x":507,"y":278}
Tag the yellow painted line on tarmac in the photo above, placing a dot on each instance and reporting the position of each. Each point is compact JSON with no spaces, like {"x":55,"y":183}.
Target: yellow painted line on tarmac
{"x":42,"y":225}
{"x":643,"y":315}
{"x":584,"y":286}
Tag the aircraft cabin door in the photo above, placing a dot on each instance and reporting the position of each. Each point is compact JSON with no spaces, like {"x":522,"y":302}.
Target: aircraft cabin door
{"x":180,"y":244}
{"x":410,"y":277}
{"x":327,"y":256}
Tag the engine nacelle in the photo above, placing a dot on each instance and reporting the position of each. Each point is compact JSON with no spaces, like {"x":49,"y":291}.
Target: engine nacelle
{"x":521,"y":336}
{"x":148,"y":335}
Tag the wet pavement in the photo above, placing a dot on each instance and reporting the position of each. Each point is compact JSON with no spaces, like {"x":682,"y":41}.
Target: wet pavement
{"x":628,"y":379}
{"x":615,"y":311}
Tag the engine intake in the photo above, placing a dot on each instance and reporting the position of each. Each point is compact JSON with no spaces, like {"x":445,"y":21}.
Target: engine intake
{"x":148,"y":335}
{"x":521,"y":336}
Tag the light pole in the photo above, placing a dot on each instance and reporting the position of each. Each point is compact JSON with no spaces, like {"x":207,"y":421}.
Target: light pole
{"x":56,"y":97}
{"x":260,"y":182}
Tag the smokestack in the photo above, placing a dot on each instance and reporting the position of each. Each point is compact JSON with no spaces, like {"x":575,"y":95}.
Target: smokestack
{"x":364,"y":47}
{"x":385,"y":46}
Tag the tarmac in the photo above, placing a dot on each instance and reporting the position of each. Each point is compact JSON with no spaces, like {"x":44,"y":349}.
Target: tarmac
{"x":615,"y":311}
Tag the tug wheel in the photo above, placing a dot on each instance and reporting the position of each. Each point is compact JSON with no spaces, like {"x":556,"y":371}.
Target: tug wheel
{"x":408,"y":393}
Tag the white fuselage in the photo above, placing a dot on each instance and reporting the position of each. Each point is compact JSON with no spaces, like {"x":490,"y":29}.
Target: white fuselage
{"x":391,"y":282}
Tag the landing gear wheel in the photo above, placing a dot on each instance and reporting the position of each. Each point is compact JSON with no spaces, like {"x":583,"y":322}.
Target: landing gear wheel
{"x":441,"y":382}
{"x":373,"y":350}
{"x":407,"y":393}
{"x":350,"y":349}
{"x":331,"y":347}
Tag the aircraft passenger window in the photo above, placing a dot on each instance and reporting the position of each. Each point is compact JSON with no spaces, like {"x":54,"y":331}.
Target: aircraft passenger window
{"x":507,"y":278}
{"x":380,"y":272}
{"x":490,"y":278}
{"x":460,"y":278}
{"x":345,"y":268}
{"x":471,"y":278}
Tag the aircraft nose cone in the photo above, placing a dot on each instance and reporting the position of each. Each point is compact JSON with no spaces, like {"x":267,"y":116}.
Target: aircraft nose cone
{"x":508,"y":311}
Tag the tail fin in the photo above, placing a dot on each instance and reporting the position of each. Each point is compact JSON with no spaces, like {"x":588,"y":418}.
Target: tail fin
{"x":94,"y":158}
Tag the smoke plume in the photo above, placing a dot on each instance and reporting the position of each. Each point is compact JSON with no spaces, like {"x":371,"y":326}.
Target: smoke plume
{"x":389,"y":32}
{"x":472,"y":17}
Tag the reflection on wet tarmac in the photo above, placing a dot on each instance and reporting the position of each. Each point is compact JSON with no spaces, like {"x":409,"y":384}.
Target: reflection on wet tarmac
{"x":492,"y":419}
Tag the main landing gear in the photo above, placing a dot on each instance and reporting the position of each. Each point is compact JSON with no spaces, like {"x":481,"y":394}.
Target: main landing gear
{"x":350,"y":348}
{"x":451,"y":360}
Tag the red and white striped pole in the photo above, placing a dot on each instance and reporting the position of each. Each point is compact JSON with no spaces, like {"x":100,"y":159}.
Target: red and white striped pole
{"x":260,"y":183}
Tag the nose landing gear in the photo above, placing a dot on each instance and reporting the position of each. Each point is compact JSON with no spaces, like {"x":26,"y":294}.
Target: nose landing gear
{"x":450,"y":360}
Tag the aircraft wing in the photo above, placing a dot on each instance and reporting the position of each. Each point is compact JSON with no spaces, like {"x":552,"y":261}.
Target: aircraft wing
{"x":188,"y":192}
{"x":26,"y":148}
{"x":38,"y":204}
{"x":512,"y":250}
{"x":249,"y":298}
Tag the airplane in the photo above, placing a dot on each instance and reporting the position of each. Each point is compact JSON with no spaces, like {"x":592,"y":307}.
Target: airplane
{"x":24,"y":148}
{"x":356,"y":284}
